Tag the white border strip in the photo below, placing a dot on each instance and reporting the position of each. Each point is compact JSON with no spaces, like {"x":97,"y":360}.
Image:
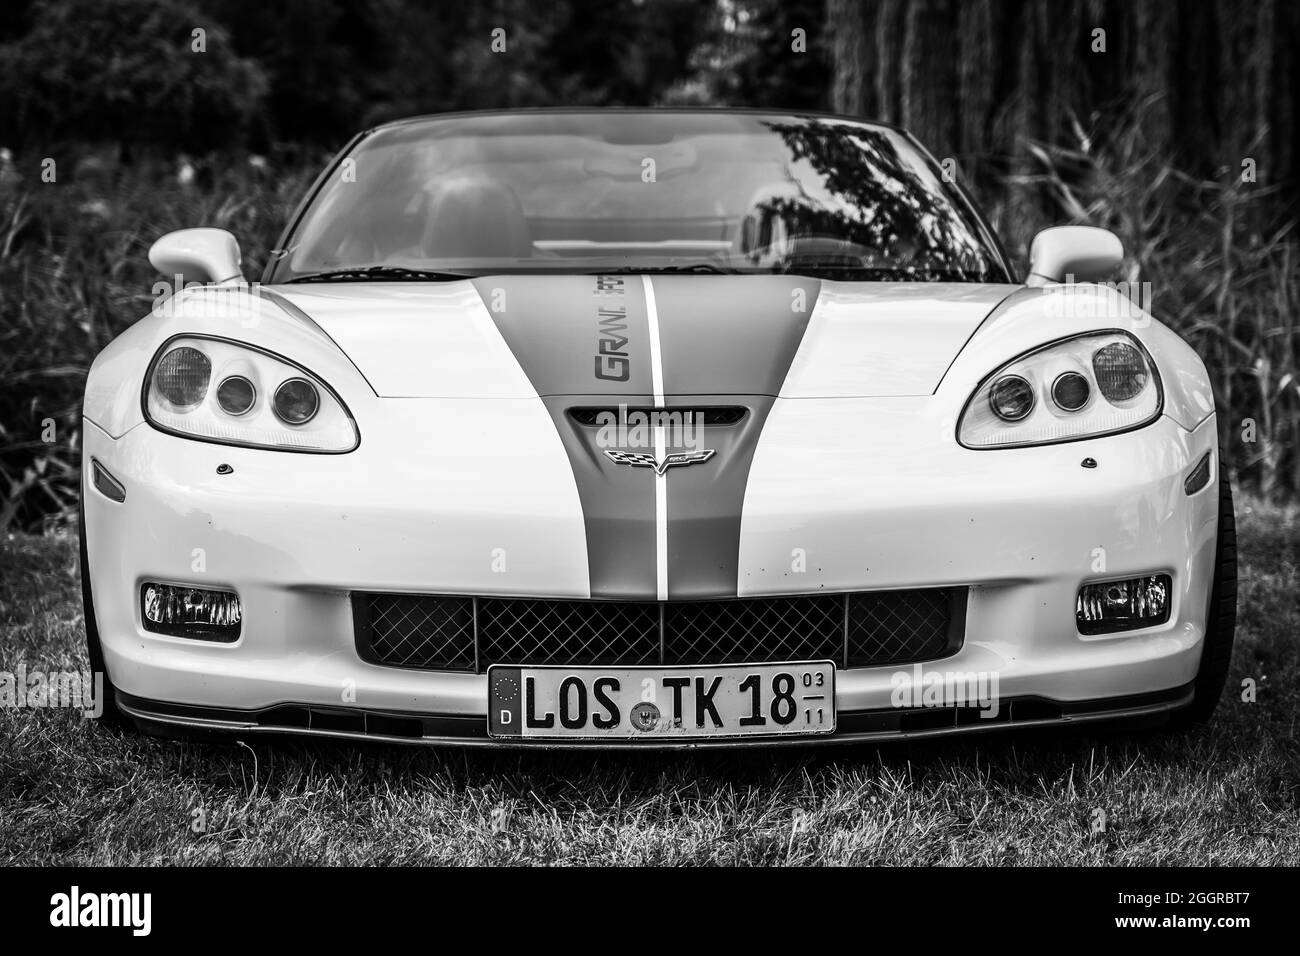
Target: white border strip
{"x":656,"y":355}
{"x":661,"y":521}
{"x":661,"y":480}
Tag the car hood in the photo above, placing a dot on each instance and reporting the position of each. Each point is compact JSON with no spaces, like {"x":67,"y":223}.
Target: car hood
{"x":647,"y":338}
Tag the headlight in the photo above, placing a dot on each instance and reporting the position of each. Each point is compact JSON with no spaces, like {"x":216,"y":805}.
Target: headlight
{"x":182,"y":377}
{"x":234,"y":394}
{"x":1011,"y":398}
{"x":1094,"y":384}
{"x":296,"y":401}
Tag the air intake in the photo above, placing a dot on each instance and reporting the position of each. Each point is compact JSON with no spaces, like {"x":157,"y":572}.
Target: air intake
{"x":470,"y":634}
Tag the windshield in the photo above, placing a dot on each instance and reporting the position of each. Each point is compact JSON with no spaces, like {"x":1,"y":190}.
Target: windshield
{"x":638,"y":192}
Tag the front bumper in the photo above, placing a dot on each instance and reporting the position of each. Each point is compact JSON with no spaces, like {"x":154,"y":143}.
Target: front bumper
{"x":295,"y":535}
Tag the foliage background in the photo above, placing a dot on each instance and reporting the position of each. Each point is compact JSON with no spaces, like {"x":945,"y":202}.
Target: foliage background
{"x":1147,"y":137}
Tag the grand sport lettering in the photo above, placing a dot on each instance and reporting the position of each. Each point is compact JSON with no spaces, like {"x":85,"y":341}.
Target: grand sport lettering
{"x":612,"y":358}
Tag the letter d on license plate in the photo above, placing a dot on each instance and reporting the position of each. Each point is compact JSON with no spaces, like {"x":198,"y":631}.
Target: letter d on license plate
{"x":642,"y":703}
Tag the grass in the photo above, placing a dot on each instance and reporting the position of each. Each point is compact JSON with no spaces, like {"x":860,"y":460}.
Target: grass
{"x":72,"y":793}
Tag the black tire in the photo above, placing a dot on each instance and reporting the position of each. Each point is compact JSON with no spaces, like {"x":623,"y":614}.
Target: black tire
{"x":1221,"y":622}
{"x":111,"y":717}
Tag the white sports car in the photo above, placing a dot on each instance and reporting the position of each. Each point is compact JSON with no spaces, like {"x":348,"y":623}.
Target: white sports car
{"x":650,"y":428}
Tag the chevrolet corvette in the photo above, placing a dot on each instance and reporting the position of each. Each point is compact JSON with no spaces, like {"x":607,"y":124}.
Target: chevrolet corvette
{"x":650,"y":428}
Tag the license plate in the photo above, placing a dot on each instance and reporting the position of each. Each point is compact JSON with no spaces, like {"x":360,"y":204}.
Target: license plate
{"x":740,"y":700}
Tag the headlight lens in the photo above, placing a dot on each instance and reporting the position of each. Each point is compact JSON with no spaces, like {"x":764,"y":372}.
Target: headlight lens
{"x":1121,"y":371}
{"x":1071,"y":391}
{"x":1011,"y":398}
{"x":1090,"y":385}
{"x":296,"y":401}
{"x":304,"y":414}
{"x":182,"y":376}
{"x":236,"y":395}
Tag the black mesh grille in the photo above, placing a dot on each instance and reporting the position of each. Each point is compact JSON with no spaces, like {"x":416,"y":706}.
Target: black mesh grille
{"x":769,"y":629}
{"x":854,"y":630}
{"x":894,"y":627}
{"x":411,"y":631}
{"x":567,"y":632}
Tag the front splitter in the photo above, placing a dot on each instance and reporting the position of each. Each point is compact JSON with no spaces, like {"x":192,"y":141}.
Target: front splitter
{"x":471,"y":731}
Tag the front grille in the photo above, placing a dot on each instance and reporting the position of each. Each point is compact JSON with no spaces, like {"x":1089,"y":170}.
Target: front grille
{"x":411,"y":631}
{"x":865,"y":629}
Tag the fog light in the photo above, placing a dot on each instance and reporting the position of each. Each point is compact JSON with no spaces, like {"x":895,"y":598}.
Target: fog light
{"x":1112,"y":606}
{"x":198,"y":613}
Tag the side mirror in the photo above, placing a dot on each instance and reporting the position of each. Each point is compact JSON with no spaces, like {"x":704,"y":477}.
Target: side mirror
{"x":1085,"y":252}
{"x":198,"y":255}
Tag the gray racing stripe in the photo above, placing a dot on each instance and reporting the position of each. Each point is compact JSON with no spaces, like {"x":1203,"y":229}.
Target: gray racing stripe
{"x":584,"y":341}
{"x":725,"y":340}
{"x":731,"y":335}
{"x":574,"y":334}
{"x":618,"y":511}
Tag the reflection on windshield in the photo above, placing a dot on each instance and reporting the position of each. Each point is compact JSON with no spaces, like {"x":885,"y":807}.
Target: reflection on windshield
{"x":691,"y":192}
{"x":890,"y":215}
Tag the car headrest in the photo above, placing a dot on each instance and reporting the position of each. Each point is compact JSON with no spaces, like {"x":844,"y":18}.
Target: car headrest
{"x":470,"y":215}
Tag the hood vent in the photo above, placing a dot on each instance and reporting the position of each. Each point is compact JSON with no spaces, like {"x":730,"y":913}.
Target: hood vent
{"x":711,"y":415}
